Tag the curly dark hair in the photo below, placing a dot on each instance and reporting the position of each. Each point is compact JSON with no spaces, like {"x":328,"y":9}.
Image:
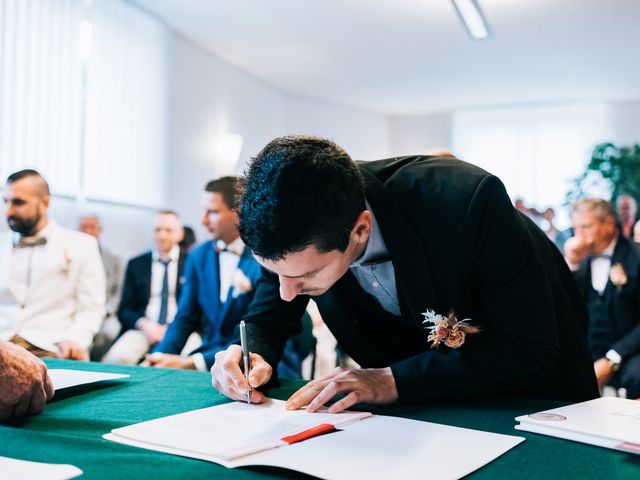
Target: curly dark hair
{"x":300,"y":191}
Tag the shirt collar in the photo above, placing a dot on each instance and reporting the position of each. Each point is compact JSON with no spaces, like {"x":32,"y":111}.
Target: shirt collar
{"x":174,"y":254}
{"x":611,"y":247}
{"x":376,"y":249}
{"x":237,"y":246}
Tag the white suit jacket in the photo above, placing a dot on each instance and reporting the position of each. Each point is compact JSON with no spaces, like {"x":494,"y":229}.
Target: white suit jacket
{"x":66,"y":296}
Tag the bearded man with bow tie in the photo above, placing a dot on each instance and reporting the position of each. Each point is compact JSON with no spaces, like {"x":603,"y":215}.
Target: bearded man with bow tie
{"x":52,"y":283}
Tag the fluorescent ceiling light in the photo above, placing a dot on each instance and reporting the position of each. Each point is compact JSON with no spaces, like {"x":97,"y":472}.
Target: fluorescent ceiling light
{"x":472,"y":18}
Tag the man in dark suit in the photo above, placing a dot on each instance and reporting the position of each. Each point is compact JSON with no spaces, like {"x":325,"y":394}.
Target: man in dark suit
{"x":220,"y":279}
{"x":150,"y":293}
{"x":607,"y":269}
{"x":380,"y":243}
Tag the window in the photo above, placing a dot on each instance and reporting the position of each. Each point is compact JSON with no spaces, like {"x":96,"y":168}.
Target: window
{"x":535,"y":151}
{"x":82,"y":97}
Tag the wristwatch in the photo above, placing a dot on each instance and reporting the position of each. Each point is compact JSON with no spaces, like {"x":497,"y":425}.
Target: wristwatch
{"x":615,"y":360}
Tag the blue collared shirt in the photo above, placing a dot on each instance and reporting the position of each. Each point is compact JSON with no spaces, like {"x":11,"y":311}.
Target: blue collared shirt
{"x":374,"y":270}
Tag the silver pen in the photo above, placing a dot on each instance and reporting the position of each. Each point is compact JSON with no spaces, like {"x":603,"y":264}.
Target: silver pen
{"x":244,"y":344}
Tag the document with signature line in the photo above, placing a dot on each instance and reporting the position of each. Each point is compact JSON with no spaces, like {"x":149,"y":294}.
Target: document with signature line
{"x":340,"y":446}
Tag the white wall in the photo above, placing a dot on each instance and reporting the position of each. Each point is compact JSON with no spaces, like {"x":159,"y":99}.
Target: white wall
{"x":209,"y":97}
{"x":417,"y":133}
{"x":363,"y":135}
{"x":626,"y":123}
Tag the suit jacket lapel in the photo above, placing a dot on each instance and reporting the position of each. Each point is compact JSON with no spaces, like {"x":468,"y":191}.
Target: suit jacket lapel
{"x":211,"y":276}
{"x":246,"y":255}
{"x":620,"y":254}
{"x":407,"y":252}
{"x":180,"y":278}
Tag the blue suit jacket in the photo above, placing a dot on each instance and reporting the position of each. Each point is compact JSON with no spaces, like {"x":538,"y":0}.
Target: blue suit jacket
{"x":200,"y":309}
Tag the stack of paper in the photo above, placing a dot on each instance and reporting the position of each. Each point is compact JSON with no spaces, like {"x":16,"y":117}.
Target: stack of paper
{"x":63,"y":378}
{"x":358,"y":445}
{"x":607,"y":422}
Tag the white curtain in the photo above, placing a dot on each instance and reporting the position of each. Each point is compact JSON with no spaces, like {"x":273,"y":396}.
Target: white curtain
{"x":41,"y":90}
{"x":535,"y":151}
{"x":82,"y":97}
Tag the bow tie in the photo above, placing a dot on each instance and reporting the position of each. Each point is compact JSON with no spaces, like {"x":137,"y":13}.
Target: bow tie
{"x":604,"y":256}
{"x":220,"y":249}
{"x":28,"y":242}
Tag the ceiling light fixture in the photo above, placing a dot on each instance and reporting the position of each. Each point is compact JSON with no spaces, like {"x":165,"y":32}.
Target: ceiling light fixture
{"x":472,"y":18}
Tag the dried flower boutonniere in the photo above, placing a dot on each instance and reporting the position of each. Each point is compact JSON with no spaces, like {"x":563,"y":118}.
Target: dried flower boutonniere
{"x":448,"y":330}
{"x":618,"y":276}
{"x":240,"y":283}
{"x":67,"y":264}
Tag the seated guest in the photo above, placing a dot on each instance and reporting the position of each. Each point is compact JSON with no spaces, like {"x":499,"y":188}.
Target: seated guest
{"x":91,"y":225}
{"x":52,"y":289}
{"x":25,"y":385}
{"x":607,"y":269}
{"x":220,"y":279}
{"x":151,"y":288}
{"x":626,"y":208}
{"x":423,"y":271}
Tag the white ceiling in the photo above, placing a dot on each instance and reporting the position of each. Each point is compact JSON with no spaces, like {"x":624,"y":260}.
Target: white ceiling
{"x":413,"y":56}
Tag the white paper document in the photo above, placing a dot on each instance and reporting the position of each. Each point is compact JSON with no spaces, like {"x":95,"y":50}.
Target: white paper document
{"x":63,"y":378}
{"x":364,"y":445}
{"x":13,"y":469}
{"x":607,"y":422}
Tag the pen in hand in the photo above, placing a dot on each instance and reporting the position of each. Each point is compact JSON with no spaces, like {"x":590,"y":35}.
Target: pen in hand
{"x":244,"y":344}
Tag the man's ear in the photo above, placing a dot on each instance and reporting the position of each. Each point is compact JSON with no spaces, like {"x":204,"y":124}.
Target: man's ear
{"x":362,"y":226}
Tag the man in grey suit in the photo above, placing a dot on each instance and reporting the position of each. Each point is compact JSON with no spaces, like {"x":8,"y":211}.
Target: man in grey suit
{"x":91,"y":225}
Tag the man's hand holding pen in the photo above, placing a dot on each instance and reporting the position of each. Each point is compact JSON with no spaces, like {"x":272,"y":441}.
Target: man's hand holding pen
{"x":228,"y":378}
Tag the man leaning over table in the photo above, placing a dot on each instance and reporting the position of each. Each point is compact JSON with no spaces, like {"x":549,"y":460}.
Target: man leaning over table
{"x":380,"y":244}
{"x":52,"y":283}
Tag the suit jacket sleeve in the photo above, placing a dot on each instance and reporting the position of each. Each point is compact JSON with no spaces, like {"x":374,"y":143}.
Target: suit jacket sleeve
{"x":189,"y":314}
{"x":271,"y":321}
{"x":518,"y":345}
{"x":90,"y":296}
{"x":129,"y":312}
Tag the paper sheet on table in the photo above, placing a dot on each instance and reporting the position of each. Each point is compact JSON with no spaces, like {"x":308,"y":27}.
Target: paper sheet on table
{"x":373,"y":447}
{"x":609,"y":422}
{"x":23,"y":470}
{"x":63,"y":378}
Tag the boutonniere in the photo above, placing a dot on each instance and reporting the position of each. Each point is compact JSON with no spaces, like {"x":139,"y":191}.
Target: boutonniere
{"x":618,"y":276}
{"x":67,"y":264}
{"x":240,"y":283}
{"x":448,"y":330}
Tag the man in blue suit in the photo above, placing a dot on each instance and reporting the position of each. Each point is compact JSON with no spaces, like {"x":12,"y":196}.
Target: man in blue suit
{"x":220,"y":279}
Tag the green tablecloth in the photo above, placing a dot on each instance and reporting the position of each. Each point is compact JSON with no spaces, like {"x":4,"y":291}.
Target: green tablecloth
{"x":71,"y":429}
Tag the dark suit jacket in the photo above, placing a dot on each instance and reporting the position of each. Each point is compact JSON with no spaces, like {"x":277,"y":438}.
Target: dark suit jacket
{"x":622,"y":307}
{"x":136,"y":290}
{"x":456,"y":243}
{"x":200,"y":309}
